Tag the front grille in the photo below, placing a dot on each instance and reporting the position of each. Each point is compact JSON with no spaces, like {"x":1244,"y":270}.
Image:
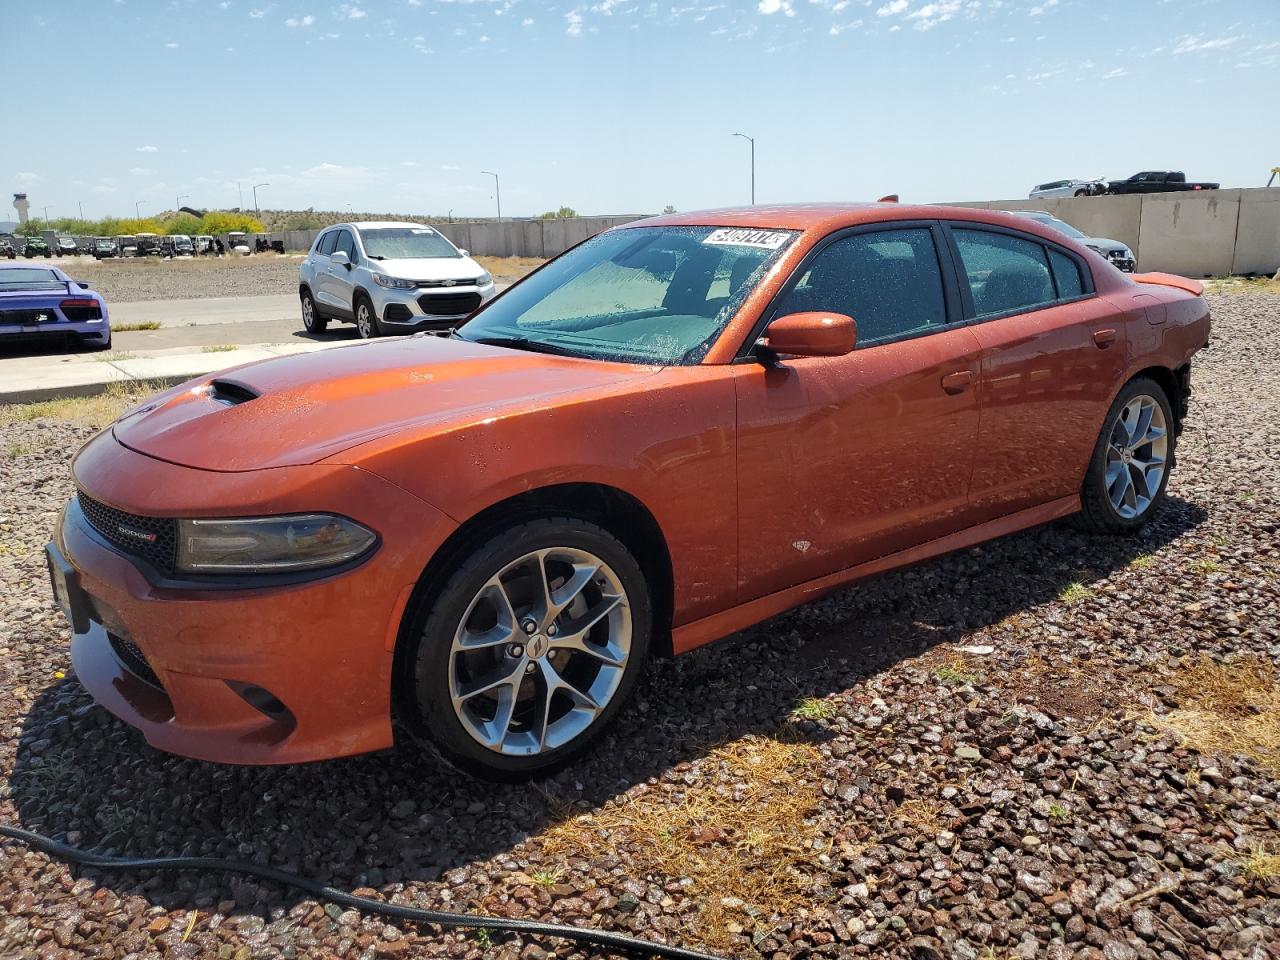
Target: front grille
{"x":28,"y":317}
{"x":153,"y":539}
{"x":428,"y":284}
{"x":449,"y":304}
{"x":131,"y":659}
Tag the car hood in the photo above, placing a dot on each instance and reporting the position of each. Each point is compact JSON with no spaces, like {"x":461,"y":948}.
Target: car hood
{"x":305,"y":408}
{"x":429,"y":268}
{"x":1103,"y":243}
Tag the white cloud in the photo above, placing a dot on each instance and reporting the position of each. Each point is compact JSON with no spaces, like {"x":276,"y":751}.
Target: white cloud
{"x":1041,"y":8}
{"x":527,"y":22}
{"x":449,"y":166}
{"x":349,"y":12}
{"x":26,"y":177}
{"x":171,"y":45}
{"x":147,"y":148}
{"x":306,"y":21}
{"x":1193,"y":44}
{"x":892,"y":8}
{"x":573,"y":23}
{"x":103,"y":188}
{"x":770,"y":7}
{"x":932,"y":14}
{"x":141,"y":171}
{"x":1113,"y":74}
{"x":257,"y":14}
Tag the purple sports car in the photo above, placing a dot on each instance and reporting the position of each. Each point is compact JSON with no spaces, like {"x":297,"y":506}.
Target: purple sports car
{"x":39,"y":303}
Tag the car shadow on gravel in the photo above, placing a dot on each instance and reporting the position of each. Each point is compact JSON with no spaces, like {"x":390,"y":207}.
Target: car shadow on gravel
{"x":402,"y":816}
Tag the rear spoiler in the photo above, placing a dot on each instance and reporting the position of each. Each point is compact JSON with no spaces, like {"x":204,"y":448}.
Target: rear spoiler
{"x":1193,"y":287}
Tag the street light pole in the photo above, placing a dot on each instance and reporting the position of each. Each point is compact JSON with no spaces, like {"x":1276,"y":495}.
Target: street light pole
{"x":497,"y":192}
{"x":81,"y":205}
{"x":752,"y":140}
{"x":255,"y":196}
{"x":240,"y":188}
{"x":177,"y":201}
{"x":46,"y":216}
{"x":137,"y":209}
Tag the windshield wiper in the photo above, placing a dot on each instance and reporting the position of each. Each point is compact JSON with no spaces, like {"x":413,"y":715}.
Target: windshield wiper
{"x":524,"y":343}
{"x":374,"y":256}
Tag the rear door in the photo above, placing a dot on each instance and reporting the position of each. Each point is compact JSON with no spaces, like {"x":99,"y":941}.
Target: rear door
{"x":846,"y":459}
{"x":318,"y":267}
{"x":1052,"y":356}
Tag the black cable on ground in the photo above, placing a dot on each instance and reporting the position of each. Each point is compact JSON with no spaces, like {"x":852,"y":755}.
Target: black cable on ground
{"x":597,"y":938}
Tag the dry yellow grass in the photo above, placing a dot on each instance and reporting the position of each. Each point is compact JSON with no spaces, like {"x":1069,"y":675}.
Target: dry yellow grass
{"x":1259,"y":863}
{"x":509,"y":268}
{"x":1242,"y":285}
{"x":96,"y":411}
{"x":739,"y":836}
{"x":1228,"y":707}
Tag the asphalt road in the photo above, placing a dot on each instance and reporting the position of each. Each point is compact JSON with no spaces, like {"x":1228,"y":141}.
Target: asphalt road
{"x":209,"y":310}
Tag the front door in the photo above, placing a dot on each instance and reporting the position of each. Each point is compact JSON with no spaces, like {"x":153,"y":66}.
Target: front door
{"x":843,"y":460}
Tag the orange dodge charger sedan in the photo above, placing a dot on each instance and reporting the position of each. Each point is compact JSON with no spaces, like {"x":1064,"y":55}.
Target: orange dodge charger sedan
{"x":674,"y":430}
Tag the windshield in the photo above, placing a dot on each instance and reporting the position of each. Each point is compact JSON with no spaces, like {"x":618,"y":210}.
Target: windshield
{"x":1064,"y":228}
{"x":637,"y":295}
{"x":29,"y":278}
{"x":406,"y":243}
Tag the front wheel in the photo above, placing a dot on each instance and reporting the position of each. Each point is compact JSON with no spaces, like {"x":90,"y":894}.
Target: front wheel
{"x":366,"y":321}
{"x":1131,"y":461}
{"x":532,"y":647}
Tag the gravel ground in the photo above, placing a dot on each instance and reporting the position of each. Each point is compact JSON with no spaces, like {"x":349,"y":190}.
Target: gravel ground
{"x":130,"y":281}
{"x":846,"y":779}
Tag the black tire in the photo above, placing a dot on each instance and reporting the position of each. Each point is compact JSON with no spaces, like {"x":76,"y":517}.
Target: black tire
{"x":1098,"y":514}
{"x":312,"y":321}
{"x":440,"y":614}
{"x":366,"y":330}
{"x":1082,"y":193}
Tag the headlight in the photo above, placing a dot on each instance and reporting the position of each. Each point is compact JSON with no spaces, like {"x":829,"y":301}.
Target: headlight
{"x":270,"y":544}
{"x":483,"y":280}
{"x":1128,"y":254}
{"x":382,"y":280}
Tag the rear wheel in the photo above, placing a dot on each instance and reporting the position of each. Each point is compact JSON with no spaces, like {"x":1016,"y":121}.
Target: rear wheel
{"x":532,"y":647}
{"x":1131,"y":462}
{"x":311,"y":319}
{"x":366,"y":319}
{"x":1082,"y":193}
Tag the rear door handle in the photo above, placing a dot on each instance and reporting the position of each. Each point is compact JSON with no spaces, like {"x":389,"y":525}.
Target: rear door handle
{"x":1104,"y":338}
{"x":957,"y":382}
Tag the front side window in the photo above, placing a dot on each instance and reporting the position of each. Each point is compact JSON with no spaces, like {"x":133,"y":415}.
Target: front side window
{"x":346,"y":243}
{"x":635,"y":295}
{"x":1006,"y":274}
{"x":888,"y":281}
{"x":406,"y":243}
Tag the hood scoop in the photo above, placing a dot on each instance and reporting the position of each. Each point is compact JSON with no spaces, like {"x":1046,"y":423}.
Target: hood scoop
{"x":230,"y":393}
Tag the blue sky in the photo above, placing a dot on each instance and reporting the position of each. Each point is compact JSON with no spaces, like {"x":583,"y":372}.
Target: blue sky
{"x":619,"y":106}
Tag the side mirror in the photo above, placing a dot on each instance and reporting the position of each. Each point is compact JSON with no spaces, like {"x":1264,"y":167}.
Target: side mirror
{"x":339,"y":258}
{"x":465,"y":253}
{"x":812,"y":334}
{"x":82,"y":285}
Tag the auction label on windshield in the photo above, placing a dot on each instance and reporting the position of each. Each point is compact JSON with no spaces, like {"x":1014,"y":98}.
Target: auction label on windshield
{"x":737,"y":237}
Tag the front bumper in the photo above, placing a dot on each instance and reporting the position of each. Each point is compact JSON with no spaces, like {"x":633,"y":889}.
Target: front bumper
{"x":407,"y":311}
{"x":243,"y":673}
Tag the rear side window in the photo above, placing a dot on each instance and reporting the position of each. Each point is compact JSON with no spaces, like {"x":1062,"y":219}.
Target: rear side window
{"x":325,"y":246}
{"x":1006,"y":274}
{"x":1066,"y":274}
{"x":888,"y":281}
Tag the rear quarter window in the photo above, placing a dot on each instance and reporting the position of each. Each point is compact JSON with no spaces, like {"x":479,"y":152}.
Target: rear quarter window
{"x":1066,"y":275}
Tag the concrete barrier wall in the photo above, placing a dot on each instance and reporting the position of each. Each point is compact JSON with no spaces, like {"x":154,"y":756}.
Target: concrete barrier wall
{"x":1197,"y":233}
{"x":510,"y":238}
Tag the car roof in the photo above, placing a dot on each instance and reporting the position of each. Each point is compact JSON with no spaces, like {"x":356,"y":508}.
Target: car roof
{"x":824,"y":217}
{"x":375,"y":224}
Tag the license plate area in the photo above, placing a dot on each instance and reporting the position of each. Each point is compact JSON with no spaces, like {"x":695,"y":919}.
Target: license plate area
{"x":65,"y":583}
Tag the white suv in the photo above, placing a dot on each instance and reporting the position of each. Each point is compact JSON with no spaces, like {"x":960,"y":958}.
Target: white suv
{"x":389,"y":278}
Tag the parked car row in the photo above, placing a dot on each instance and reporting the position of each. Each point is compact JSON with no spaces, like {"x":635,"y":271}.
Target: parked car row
{"x":100,"y":248}
{"x":1147,"y":181}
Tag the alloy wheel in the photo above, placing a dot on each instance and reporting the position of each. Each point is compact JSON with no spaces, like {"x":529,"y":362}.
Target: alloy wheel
{"x":364,"y":320}
{"x":1137,"y":450}
{"x":540,"y":651}
{"x":308,"y":313}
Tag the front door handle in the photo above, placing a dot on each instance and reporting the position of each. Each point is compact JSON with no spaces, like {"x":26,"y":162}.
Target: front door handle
{"x":957,"y":382}
{"x":1104,"y":338}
